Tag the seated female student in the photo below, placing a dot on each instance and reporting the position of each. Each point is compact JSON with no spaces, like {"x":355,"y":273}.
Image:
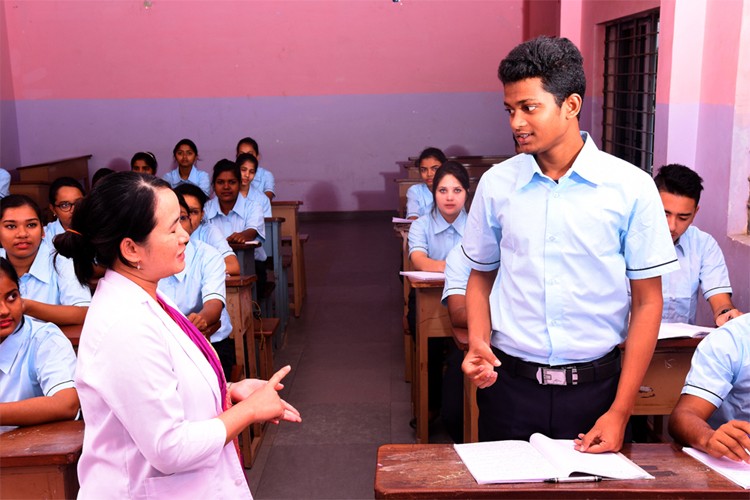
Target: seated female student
{"x":144,"y":162}
{"x":196,"y":199}
{"x":160,"y":417}
{"x":239,"y":219}
{"x":419,"y":196}
{"x":199,"y":291}
{"x":263,"y":181}
{"x":64,"y":193}
{"x":248,"y":167}
{"x":37,"y":363}
{"x":186,"y":155}
{"x":48,"y":284}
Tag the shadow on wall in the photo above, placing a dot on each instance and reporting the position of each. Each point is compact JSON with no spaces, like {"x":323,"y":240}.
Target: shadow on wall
{"x":119,"y":164}
{"x":322,"y":197}
{"x":456,"y":150}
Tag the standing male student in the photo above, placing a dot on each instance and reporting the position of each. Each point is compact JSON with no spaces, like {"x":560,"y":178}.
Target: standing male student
{"x":557,"y":230}
{"x":701,"y":260}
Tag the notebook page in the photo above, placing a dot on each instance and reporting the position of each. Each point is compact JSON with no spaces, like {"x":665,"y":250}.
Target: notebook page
{"x":739,"y":472}
{"x":504,"y":462}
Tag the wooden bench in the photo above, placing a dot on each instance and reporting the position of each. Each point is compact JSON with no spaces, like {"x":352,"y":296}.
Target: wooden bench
{"x":289,"y":211}
{"x":272,"y":246}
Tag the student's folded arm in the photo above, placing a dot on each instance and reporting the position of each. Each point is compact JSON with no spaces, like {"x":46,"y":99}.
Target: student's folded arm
{"x":233,"y":264}
{"x":210,"y":314}
{"x":58,"y":314}
{"x":422,"y":262}
{"x":62,"y":405}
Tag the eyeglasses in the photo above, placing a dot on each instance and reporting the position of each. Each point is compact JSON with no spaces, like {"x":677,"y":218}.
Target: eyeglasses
{"x":66,"y":206}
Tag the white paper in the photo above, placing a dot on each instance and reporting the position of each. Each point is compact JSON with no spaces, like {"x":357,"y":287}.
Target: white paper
{"x":738,"y":472}
{"x":399,"y":220}
{"x":424,"y":275}
{"x":682,"y":330}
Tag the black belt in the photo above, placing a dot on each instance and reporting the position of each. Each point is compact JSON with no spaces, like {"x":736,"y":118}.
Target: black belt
{"x":605,"y":367}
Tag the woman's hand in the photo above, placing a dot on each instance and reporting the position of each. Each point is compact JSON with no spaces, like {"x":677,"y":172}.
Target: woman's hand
{"x":267,"y":404}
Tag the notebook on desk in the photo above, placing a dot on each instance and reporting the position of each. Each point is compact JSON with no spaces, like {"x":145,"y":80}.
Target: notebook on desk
{"x":682,"y":330}
{"x":423,"y":275}
{"x":739,"y":472}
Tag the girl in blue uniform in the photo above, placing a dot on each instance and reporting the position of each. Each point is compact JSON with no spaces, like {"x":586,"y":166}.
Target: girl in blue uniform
{"x":37,"y":363}
{"x":186,"y":156}
{"x":64,"y":193}
{"x":47,"y":281}
{"x":263,"y":180}
{"x":248,"y":167}
{"x":144,"y":162}
{"x":419,"y":196}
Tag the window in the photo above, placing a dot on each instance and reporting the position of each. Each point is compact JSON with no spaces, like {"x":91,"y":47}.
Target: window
{"x":630,"y":58}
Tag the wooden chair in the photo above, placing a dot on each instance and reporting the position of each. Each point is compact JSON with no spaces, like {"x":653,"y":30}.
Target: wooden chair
{"x":272,"y":246}
{"x":289,"y":211}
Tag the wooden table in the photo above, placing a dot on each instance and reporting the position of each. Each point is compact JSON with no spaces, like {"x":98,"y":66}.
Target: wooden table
{"x":40,"y":461}
{"x":432,"y":322}
{"x":436,"y":471}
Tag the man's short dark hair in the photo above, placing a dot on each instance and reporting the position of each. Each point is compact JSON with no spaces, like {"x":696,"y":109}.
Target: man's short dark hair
{"x":556,"y":61}
{"x":679,"y":180}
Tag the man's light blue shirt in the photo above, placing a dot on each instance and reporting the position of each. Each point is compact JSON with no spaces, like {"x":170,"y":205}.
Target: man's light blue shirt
{"x":210,"y":234}
{"x":52,"y":280}
{"x":567,"y":249}
{"x":35,"y":360}
{"x":435,"y":236}
{"x":244,"y":215}
{"x":720,"y":372}
{"x":202,"y":279}
{"x":419,"y":200}
{"x":264,"y":181}
{"x":701,"y":263}
{"x":197,"y":177}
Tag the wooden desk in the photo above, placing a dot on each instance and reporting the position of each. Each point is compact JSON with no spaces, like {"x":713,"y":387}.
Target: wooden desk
{"x":432,"y":322}
{"x":289,"y":211}
{"x":402,"y":233}
{"x":40,"y":461}
{"x":76,"y":167}
{"x":246,"y":255}
{"x":436,"y":471}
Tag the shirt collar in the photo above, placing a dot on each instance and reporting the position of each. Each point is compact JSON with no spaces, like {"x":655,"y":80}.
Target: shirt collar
{"x":11,"y":346}
{"x":213,"y":209}
{"x":41,"y":268}
{"x":441,"y":224}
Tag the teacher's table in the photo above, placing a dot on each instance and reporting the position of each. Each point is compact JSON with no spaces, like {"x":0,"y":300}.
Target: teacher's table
{"x":436,"y":471}
{"x":40,"y":461}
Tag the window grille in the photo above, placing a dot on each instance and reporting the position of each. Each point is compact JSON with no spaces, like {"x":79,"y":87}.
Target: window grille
{"x":630,"y":58}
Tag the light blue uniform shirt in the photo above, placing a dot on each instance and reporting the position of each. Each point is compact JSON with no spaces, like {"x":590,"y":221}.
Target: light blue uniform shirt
{"x":457,"y":270}
{"x":720,"y":372}
{"x":264,"y":181}
{"x":51,"y":230}
{"x":261,"y":199}
{"x":419,"y":200}
{"x":52,"y":280}
{"x":244,"y":215}
{"x":4,"y":183}
{"x":203,"y":279}
{"x":566,"y":250}
{"x":210,"y":234}
{"x":35,"y":360}
{"x":433,"y":235}
{"x":197,"y":177}
{"x":701,"y":263}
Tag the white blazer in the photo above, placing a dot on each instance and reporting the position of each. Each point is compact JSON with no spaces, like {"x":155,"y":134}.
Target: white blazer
{"x":150,"y":401}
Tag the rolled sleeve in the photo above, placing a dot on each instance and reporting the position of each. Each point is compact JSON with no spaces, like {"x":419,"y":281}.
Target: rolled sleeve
{"x":418,"y":236}
{"x":713,"y":367}
{"x":481,"y":241}
{"x":55,"y":362}
{"x":213,"y":285}
{"x":713,"y":273}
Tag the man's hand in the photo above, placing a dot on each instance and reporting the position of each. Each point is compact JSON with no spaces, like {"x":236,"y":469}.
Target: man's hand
{"x":606,"y":435}
{"x":479,"y":365}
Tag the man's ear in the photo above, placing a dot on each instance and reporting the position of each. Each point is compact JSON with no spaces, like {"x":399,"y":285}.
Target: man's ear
{"x":572,"y":105}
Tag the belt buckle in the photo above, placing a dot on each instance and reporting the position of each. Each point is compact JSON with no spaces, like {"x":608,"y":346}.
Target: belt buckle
{"x":554,"y":376}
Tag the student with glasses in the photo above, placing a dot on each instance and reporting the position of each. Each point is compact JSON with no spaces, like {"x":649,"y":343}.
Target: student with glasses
{"x":64,"y":193}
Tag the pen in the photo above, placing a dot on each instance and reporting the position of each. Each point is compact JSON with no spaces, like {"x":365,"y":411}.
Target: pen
{"x":579,"y":479}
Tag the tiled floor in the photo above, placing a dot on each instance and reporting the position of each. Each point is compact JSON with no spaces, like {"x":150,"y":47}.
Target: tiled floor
{"x":347,"y":379}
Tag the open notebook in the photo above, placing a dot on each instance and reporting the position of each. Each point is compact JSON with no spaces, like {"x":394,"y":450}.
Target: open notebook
{"x":739,"y":472}
{"x":682,"y":330}
{"x":541,"y":459}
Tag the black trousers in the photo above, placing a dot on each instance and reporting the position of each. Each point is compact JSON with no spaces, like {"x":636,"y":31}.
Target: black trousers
{"x":515,"y":407}
{"x":225,"y":350}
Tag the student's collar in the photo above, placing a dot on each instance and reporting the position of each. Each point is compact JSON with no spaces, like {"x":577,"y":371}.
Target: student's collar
{"x":11,"y":346}
{"x":441,"y":224}
{"x":41,"y":268}
{"x":584,"y":167}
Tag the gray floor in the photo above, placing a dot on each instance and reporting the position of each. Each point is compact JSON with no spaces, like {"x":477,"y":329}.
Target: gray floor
{"x":347,"y":379}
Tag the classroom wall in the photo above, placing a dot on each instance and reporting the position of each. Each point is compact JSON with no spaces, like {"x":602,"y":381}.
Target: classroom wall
{"x":9,"y":147}
{"x":335,"y":92}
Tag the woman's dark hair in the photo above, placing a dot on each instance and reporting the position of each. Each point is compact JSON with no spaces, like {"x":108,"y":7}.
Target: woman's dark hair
{"x":185,"y":142}
{"x":61,"y":182}
{"x":7,"y":268}
{"x":189,"y":189}
{"x":245,"y":158}
{"x":148,"y":157}
{"x":19,"y":200}
{"x":556,"y":61}
{"x":225,"y":165}
{"x":122,"y":205}
{"x":450,"y":168}
{"x":430,"y":153}
{"x":250,"y":142}
{"x":100,"y":174}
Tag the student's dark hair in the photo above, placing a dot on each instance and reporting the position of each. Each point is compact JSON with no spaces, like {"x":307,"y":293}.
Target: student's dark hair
{"x":148,"y":157}
{"x":225,"y":165}
{"x":246,"y":157}
{"x":679,"y":180}
{"x":7,"y":268}
{"x":100,"y":174}
{"x":556,"y":61}
{"x":188,"y":189}
{"x":61,"y":182}
{"x":19,"y":200}
{"x":455,"y":169}
{"x":181,"y":201}
{"x":122,"y":205}
{"x":250,"y":142}
{"x":185,"y":142}
{"x":430,"y":153}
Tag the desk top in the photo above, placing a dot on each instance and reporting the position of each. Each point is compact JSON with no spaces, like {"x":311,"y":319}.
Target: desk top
{"x":46,"y":444}
{"x":436,"y":471}
{"x":250,"y":245}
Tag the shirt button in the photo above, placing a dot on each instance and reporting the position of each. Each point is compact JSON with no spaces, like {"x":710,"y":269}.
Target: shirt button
{"x":552,"y":238}
{"x":238,"y":482}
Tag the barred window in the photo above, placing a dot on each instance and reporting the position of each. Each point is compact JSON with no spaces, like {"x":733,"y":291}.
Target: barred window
{"x":630,"y":58}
